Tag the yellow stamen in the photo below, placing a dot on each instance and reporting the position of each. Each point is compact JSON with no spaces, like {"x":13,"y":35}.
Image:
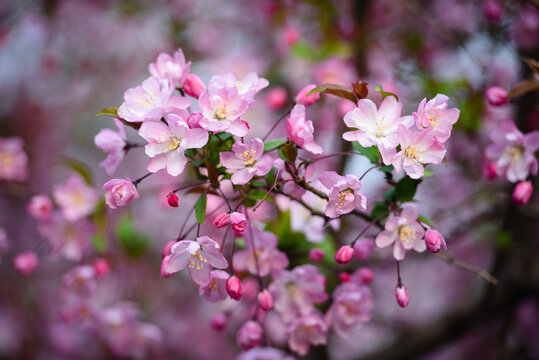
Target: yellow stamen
{"x":249,"y":158}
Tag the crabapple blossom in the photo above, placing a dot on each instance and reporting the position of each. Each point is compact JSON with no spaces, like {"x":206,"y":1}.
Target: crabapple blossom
{"x":363,"y":248}
{"x":310,"y":329}
{"x":71,"y":239}
{"x":344,"y":254}
{"x":490,"y":170}
{"x":75,"y":198}
{"x":307,"y":100}
{"x":264,"y":353}
{"x":250,"y":335}
{"x":194,"y":86}
{"x":352,"y":304}
{"x":25,"y":263}
{"x":40,"y":207}
{"x":365,"y":275}
{"x":513,"y":151}
{"x":239,"y":223}
{"x":434,"y":241}
{"x":316,"y":254}
{"x":221,"y":110}
{"x":496,"y":96}
{"x":222,"y":220}
{"x":234,"y":288}
{"x":522,"y":193}
{"x":247,"y":88}
{"x":172,"y":200}
{"x":194,"y":120}
{"x":377,"y":126}
{"x":344,"y":276}
{"x":417,"y":149}
{"x":114,"y":144}
{"x":166,"y":249}
{"x":174,"y":69}
{"x":219,"y":321}
{"x":198,"y":256}
{"x":13,"y":160}
{"x":265,"y":300}
{"x":276,"y":98}
{"x":402,"y":296}
{"x":300,"y":131}
{"x":80,"y":281}
{"x":101,"y":267}
{"x":215,"y":289}
{"x":164,"y":264}
{"x":246,"y":160}
{"x":435,"y":114}
{"x":119,"y":192}
{"x":344,"y":195}
{"x":404,"y":231}
{"x":167,"y":144}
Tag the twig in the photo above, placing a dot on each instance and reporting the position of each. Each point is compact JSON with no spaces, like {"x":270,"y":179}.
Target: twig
{"x":468,"y":267}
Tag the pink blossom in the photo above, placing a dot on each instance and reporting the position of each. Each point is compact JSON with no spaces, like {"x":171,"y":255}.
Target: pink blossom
{"x":239,"y":223}
{"x":402,"y":296}
{"x":247,"y":160}
{"x":234,"y":288}
{"x":194,"y":86}
{"x":113,"y":143}
{"x":261,"y":253}
{"x":496,"y":96}
{"x":489,"y":170}
{"x":119,"y":192}
{"x":264,"y":353}
{"x":276,"y":98}
{"x":101,"y":267}
{"x":25,"y":263}
{"x":513,"y":151}
{"x":250,"y":335}
{"x":164,"y":263}
{"x":364,"y":275}
{"x":435,"y":114}
{"x":215,"y":289}
{"x":352,"y":305}
{"x":316,"y":254}
{"x":219,"y":321}
{"x":13,"y":160}
{"x":300,"y":131}
{"x":404,"y":231}
{"x":363,"y":248}
{"x":221,"y":110}
{"x":493,"y":10}
{"x":377,"y":126}
{"x":167,"y":248}
{"x":305,"y":331}
{"x":307,"y":100}
{"x":265,"y":300}
{"x":80,"y":281}
{"x":40,"y":207}
{"x":522,"y":193}
{"x":434,"y":241}
{"x":198,"y":256}
{"x":344,"y":195}
{"x":290,"y":35}
{"x":71,"y":239}
{"x":222,"y":220}
{"x":172,"y":199}
{"x":174,"y":69}
{"x":344,"y":254}
{"x":75,"y":198}
{"x":247,"y":88}
{"x":167,"y":144}
{"x":417,"y":149}
{"x":194,"y":120}
{"x":344,"y":276}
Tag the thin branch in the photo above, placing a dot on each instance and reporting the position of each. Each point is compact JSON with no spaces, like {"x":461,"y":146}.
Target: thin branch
{"x":468,"y":267}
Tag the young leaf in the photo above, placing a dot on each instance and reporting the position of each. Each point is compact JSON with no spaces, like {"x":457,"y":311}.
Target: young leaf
{"x":200,"y":208}
{"x":336,"y":90}
{"x":406,"y":189}
{"x":427,"y":221}
{"x":79,"y":167}
{"x":379,"y":209}
{"x":371,"y":153}
{"x":130,"y":239}
{"x":110,"y":111}
{"x":273,"y":144}
{"x":385,"y":93}
{"x":360,"y":89}
{"x":289,"y":152}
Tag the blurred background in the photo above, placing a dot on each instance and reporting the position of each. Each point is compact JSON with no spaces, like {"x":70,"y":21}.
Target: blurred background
{"x":62,"y":61}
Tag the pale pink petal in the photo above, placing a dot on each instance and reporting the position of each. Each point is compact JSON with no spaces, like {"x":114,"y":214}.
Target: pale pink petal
{"x":195,"y":139}
{"x":242,"y":176}
{"x":157,"y":163}
{"x":385,"y":238}
{"x":231,"y":161}
{"x":399,"y":252}
{"x":176,"y":161}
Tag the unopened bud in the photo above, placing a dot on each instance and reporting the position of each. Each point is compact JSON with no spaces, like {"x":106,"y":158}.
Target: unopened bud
{"x":490,"y":170}
{"x":194,"y":86}
{"x":307,"y":100}
{"x":434,"y":241}
{"x":522,"y":193}
{"x":276,"y":98}
{"x":344,"y":276}
{"x":25,"y":263}
{"x":219,"y":321}
{"x":234,"y":288}
{"x":101,"y":267}
{"x":164,"y":272}
{"x":172,"y":200}
{"x":366,"y":275}
{"x":239,"y":223}
{"x":221,"y":220}
{"x":167,"y":248}
{"x":363,"y":248}
{"x":316,"y":254}
{"x":265,"y":300}
{"x":402,"y":296}
{"x":496,"y":96}
{"x":344,"y":254}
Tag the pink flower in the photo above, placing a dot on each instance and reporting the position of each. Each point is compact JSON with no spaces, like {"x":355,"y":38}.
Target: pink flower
{"x":352,"y":305}
{"x":25,"y":263}
{"x":307,"y":100}
{"x":167,"y":248}
{"x":164,"y":263}
{"x":150,"y":101}
{"x":250,"y":335}
{"x":434,"y":241}
{"x":194,"y":86}
{"x":305,"y":331}
{"x":222,"y":220}
{"x":247,"y":88}
{"x":496,"y":96}
{"x":40,"y":207}
{"x":316,"y":254}
{"x":80,"y":281}
{"x":221,"y":110}
{"x":522,"y":193}
{"x":167,"y":144}
{"x":194,"y":120}
{"x":404,"y":231}
{"x":174,"y":69}
{"x":119,"y":192}
{"x":71,"y":239}
{"x":276,"y":98}
{"x":513,"y":151}
{"x":101,"y":267}
{"x":215,"y":289}
{"x":264,"y":353}
{"x":247,"y":160}
{"x":402,"y":296}
{"x":75,"y":198}
{"x":417,"y":149}
{"x":239,"y":223}
{"x":113,"y":143}
{"x":219,"y":321}
{"x":344,"y":254}
{"x":261,"y":253}
{"x":435,"y":114}
{"x":493,"y":10}
{"x":377,"y":126}
{"x":265,"y":300}
{"x":13,"y":160}
{"x":489,"y":170}
{"x":199,"y":256}
{"x":363,"y":248}
{"x":344,"y":195}
{"x":301,"y":131}
{"x":234,"y":288}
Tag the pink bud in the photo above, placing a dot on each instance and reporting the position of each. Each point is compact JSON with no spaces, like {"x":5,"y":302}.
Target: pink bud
{"x":25,"y":263}
{"x":246,"y":124}
{"x":303,"y":99}
{"x":40,"y":207}
{"x":194,"y":120}
{"x":276,"y":98}
{"x":493,"y":10}
{"x":402,"y":296}
{"x":239,"y":223}
{"x":522,"y":193}
{"x":434,"y":241}
{"x":344,"y":254}
{"x":265,"y":300}
{"x":234,"y":288}
{"x":363,"y":248}
{"x":290,"y":35}
{"x":344,"y":276}
{"x":167,"y":248}
{"x":490,"y":170}
{"x":250,"y":335}
{"x":316,"y":254}
{"x":219,"y":321}
{"x":119,"y":192}
{"x":164,"y":272}
{"x":496,"y":96}
{"x":172,"y":199}
{"x":366,"y":275}
{"x":221,"y":220}
{"x":101,"y":267}
{"x":194,"y":86}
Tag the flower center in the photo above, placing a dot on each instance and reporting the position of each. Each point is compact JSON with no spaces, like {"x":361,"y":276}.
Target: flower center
{"x":341,"y":198}
{"x":514,"y":153}
{"x":381,"y":127}
{"x":6,"y":159}
{"x":433,"y":119}
{"x":249,"y":158}
{"x":222,"y":110}
{"x":406,"y":235}
{"x":413,"y":152}
{"x":197,"y":261}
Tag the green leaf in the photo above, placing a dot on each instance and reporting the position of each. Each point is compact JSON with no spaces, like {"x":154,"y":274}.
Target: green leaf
{"x":406,"y":189}
{"x":336,"y":90}
{"x":390,"y":195}
{"x":273,"y":144}
{"x":427,"y":221}
{"x":200,"y":208}
{"x":371,"y":153}
{"x":427,"y":173}
{"x":79,"y":167}
{"x":131,"y":240}
{"x":379,"y":209}
{"x":289,"y":151}
{"x":110,"y":111}
{"x":385,"y":93}
{"x":386,"y":169}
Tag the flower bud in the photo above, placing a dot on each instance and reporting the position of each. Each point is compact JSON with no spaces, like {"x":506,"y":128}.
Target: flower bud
{"x":434,"y":241}
{"x":290,"y":35}
{"x":307,"y":100}
{"x":172,"y":199}
{"x":250,"y":335}
{"x":496,"y":96}
{"x":101,"y":267}
{"x":164,"y":272}
{"x":365,"y":275}
{"x":25,"y":263}
{"x":316,"y":254}
{"x":221,"y":220}
{"x":239,"y":223}
{"x":193,"y":121}
{"x":194,"y":86}
{"x":276,"y":98}
{"x":219,"y":321}
{"x":40,"y":207}
{"x":402,"y":296}
{"x":490,"y":170}
{"x":167,"y":248}
{"x":363,"y":248}
{"x":119,"y":192}
{"x":344,"y":276}
{"x":265,"y":300}
{"x":234,"y":288}
{"x":522,"y":193}
{"x":344,"y":254}
{"x":493,"y":10}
